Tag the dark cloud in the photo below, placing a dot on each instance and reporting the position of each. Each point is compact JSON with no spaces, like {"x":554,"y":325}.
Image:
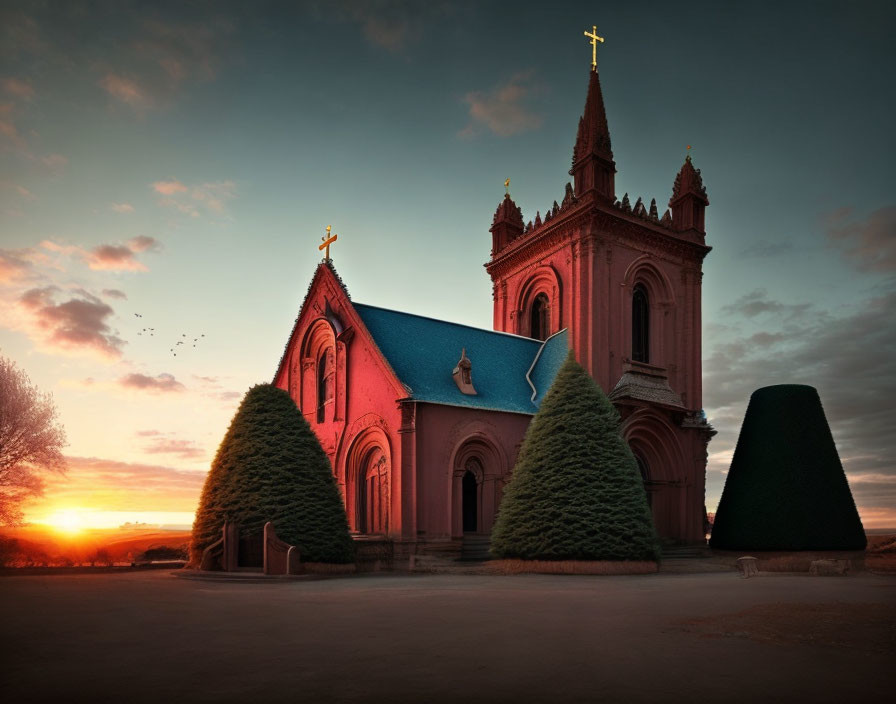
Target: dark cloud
{"x":144,"y":243}
{"x":767,"y":250}
{"x":757,"y":302}
{"x":185,"y":449}
{"x":114,"y":258}
{"x":851,"y":360}
{"x":80,"y":322}
{"x":114,"y":293}
{"x":163,"y":383}
{"x":869,"y":243}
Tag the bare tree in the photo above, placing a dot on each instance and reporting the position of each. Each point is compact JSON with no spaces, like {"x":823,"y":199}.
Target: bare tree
{"x":31,"y":440}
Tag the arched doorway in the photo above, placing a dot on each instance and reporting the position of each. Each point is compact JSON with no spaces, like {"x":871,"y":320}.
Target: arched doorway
{"x":370,"y":511}
{"x":470,"y":502}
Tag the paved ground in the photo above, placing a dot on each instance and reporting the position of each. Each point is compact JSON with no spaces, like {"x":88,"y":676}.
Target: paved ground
{"x":449,"y":638}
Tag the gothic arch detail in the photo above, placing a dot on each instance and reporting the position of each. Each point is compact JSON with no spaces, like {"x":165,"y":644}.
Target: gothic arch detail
{"x":319,"y":376}
{"x":476,"y":458}
{"x":539,"y":304}
{"x":368,"y":469}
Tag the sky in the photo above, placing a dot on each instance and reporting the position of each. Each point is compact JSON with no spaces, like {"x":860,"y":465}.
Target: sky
{"x":167,"y":171}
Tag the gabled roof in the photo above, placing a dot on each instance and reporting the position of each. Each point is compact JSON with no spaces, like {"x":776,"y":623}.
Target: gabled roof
{"x":424,"y":351}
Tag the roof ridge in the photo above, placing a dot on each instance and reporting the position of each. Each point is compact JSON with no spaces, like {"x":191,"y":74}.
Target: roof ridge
{"x":450,"y":322}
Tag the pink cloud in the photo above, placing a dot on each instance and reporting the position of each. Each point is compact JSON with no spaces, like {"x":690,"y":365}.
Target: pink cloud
{"x":114,"y":293}
{"x":13,"y":265}
{"x":185,"y":449}
{"x":163,"y":383}
{"x":77,"y":324}
{"x":109,"y":257}
{"x":869,"y":243}
{"x":19,"y":89}
{"x":502,"y":110}
{"x":169,"y":188}
{"x":143,"y":243}
{"x":122,"y":207}
{"x":127,"y":91}
{"x":213,"y":196}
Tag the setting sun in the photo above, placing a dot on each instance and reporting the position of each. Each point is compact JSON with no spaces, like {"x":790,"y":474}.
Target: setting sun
{"x":68,"y":521}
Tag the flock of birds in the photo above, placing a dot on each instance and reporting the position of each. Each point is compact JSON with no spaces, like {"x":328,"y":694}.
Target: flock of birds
{"x":150,"y":332}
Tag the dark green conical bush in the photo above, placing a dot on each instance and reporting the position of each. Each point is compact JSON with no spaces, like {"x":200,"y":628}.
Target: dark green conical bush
{"x":576,"y":492}
{"x":786,"y":489}
{"x":271,"y":467}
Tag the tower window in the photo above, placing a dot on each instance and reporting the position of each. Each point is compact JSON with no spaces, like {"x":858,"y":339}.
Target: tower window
{"x":640,"y":325}
{"x":539,"y":321}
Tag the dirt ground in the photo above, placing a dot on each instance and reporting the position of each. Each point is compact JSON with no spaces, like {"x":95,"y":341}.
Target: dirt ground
{"x":449,"y":638}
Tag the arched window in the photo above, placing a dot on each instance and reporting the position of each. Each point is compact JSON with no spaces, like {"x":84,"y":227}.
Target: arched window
{"x":539,"y":318}
{"x":321,"y":386}
{"x":640,"y":325}
{"x":470,"y":504}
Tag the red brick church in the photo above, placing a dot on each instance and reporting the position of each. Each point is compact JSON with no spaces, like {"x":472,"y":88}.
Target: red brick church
{"x":422,"y":419}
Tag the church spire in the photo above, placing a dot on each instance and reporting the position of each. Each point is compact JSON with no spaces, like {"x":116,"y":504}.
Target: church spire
{"x":507,"y":224}
{"x":592,"y":158}
{"x":688,"y":201}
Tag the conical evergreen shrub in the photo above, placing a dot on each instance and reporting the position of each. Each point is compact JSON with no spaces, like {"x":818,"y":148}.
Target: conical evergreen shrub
{"x":786,"y":489}
{"x":576,"y":492}
{"x":271,"y":467}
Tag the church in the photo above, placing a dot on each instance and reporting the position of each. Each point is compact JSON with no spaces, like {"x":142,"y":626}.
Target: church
{"x":422,"y":419}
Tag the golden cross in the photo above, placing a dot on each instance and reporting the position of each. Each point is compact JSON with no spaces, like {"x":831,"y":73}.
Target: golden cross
{"x":594,"y":40}
{"x":327,"y":241}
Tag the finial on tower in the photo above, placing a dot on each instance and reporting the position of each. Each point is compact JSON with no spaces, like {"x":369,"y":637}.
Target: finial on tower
{"x":507,"y":187}
{"x":687,"y":153}
{"x":327,"y":241}
{"x":594,"y":40}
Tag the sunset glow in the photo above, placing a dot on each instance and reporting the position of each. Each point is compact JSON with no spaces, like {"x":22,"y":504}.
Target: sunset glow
{"x":69,"y":521}
{"x":167,"y":178}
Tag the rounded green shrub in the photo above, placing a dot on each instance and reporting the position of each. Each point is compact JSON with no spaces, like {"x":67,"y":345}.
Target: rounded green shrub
{"x":576,"y":492}
{"x":786,"y":489}
{"x":271,"y":467}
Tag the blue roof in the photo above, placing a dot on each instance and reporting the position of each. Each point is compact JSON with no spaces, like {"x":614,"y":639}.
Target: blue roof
{"x":423,"y":352}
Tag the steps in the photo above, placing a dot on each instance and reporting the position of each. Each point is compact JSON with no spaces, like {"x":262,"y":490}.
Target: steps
{"x":475,"y":547}
{"x":686,"y":552}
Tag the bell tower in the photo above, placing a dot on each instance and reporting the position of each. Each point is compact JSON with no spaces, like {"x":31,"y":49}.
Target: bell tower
{"x":626,"y":283}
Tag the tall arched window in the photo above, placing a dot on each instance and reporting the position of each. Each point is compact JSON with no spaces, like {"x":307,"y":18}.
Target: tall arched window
{"x":540,"y":319}
{"x":640,"y":325}
{"x":321,"y":386}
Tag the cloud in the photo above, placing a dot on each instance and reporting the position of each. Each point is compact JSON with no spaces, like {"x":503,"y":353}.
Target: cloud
{"x":79,"y":323}
{"x":213,"y":196}
{"x":185,"y":449}
{"x":122,"y":207}
{"x":850,"y":359}
{"x":15,"y":264}
{"x":126,"y":90}
{"x":767,"y":250}
{"x":123,"y":486}
{"x":54,"y":162}
{"x":142,"y":243}
{"x":17,"y":88}
{"x":114,"y":293}
{"x":148,"y":433}
{"x":169,"y":188}
{"x":108,"y":257}
{"x":163,"y":383}
{"x":502,"y":110}
{"x":757,"y":302}
{"x":870,"y":243}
